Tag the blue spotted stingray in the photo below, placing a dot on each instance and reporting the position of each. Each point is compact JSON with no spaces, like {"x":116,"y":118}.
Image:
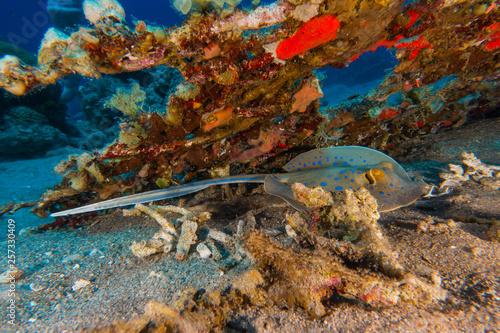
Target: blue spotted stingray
{"x":333,"y":169}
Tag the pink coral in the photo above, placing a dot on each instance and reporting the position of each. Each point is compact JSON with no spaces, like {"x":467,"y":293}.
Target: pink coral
{"x":304,"y":97}
{"x":263,"y":144}
{"x":211,"y":51}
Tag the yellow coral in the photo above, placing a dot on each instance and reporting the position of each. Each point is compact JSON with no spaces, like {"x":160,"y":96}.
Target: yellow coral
{"x":128,"y":101}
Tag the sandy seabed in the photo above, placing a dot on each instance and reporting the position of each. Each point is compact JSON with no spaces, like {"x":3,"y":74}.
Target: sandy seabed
{"x":464,"y":257}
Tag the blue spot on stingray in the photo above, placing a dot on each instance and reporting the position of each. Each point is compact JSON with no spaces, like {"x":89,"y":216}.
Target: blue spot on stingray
{"x":350,"y":187}
{"x":320,"y":156}
{"x":389,"y":194}
{"x":346,"y":177}
{"x":336,"y":178}
{"x":353,"y":171}
{"x":302,"y":157}
{"x":300,"y":163}
{"x":381,"y":192}
{"x":372,"y":188}
{"x":364,"y":161}
{"x":329,"y":176}
{"x":323,"y":184}
{"x":313,"y":163}
{"x":315,"y":157}
{"x":343,"y":171}
{"x":288,"y":168}
{"x":402,"y":188}
{"x":341,"y":157}
{"x":339,"y":188}
{"x":335,"y":164}
{"x":305,"y":164}
{"x":392,"y":185}
{"x":351,"y":160}
{"x":386,"y":201}
{"x":352,"y":180}
{"x":336,"y":157}
{"x":273,"y":182}
{"x":359,"y":172}
{"x":298,"y":169}
{"x":305,"y":184}
{"x":327,"y":158}
{"x":359,"y":188}
{"x":320,"y":163}
{"x":345,"y":163}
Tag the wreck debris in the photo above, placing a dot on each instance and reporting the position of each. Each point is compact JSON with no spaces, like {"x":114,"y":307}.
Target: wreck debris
{"x":308,"y":278}
{"x":165,"y":224}
{"x":168,"y":238}
{"x":303,"y":278}
{"x":186,"y":239}
{"x":349,"y":215}
{"x":12,"y":207}
{"x":80,"y":284}
{"x":219,"y":236}
{"x":475,"y":170}
{"x":203,"y":251}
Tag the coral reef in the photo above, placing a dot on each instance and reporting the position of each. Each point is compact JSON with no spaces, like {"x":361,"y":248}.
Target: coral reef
{"x":26,"y":133}
{"x":10,"y":49}
{"x":128,"y":101}
{"x":158,"y":83}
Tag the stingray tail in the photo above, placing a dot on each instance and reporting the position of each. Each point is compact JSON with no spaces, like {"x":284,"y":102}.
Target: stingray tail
{"x":167,"y":193}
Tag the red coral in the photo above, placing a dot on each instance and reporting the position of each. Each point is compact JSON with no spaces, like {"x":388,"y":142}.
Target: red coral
{"x":316,"y":31}
{"x":387,"y":114}
{"x":413,"y":17}
{"x":414,"y":45}
{"x":383,"y":42}
{"x":494,"y":41}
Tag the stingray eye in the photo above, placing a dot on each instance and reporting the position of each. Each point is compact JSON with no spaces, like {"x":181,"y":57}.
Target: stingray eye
{"x":373,"y":174}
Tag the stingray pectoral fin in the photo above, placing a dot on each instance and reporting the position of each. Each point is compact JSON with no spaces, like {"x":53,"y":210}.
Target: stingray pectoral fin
{"x":401,"y":195}
{"x":343,"y":157}
{"x":284,"y":191}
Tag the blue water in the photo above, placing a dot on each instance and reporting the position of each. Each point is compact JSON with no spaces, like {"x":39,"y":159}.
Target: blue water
{"x":24,"y":22}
